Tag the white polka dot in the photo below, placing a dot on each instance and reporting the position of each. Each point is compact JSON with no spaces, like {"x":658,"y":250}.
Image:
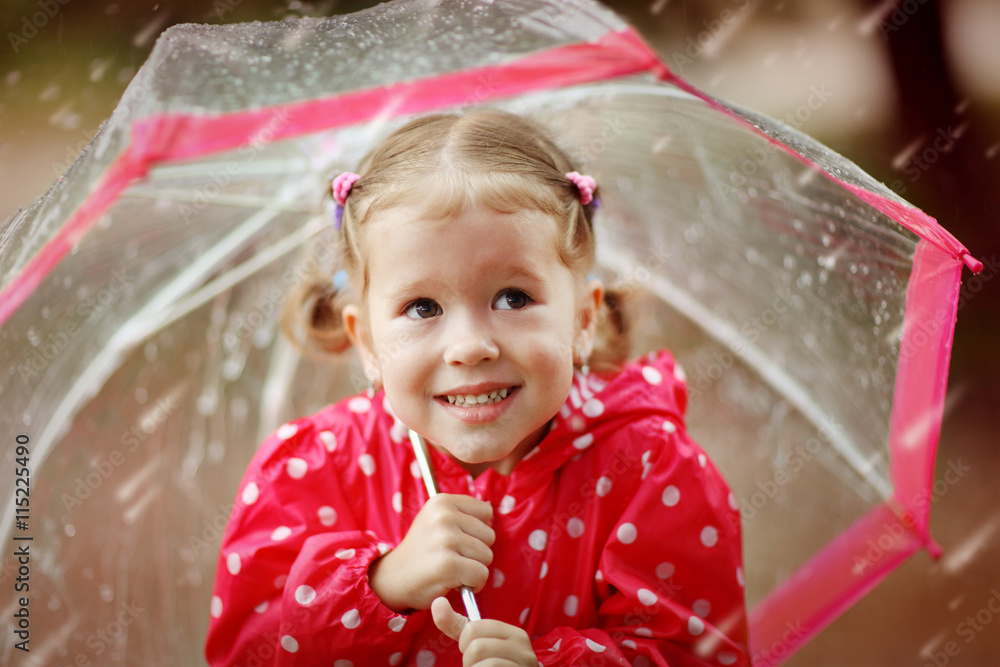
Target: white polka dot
{"x":216,"y":608}
{"x":399,"y":432}
{"x":367,"y":464}
{"x":651,"y":375}
{"x":584,"y":441}
{"x":643,"y":632}
{"x":646,"y":454}
{"x":359,"y":404}
{"x":233,"y":563}
{"x":627,"y":533}
{"x":701,"y":607}
{"x":739,"y":575}
{"x":250,"y":494}
{"x":628,"y":643}
{"x":261,"y":608}
{"x":396,"y":623}
{"x":571,"y":605}
{"x":679,"y":374}
{"x":327,"y":515}
{"x":669,"y":426}
{"x":702,"y":460}
{"x":595,"y":647}
{"x":575,"y":527}
{"x":646,"y":468}
{"x":345,"y":554}
{"x":598,"y":576}
{"x":696,"y":626}
{"x":305,"y":594}
{"x":329,"y":440}
{"x":671,"y":496}
{"x":665,"y":570}
{"x":343,"y":663}
{"x":709,"y":536}
{"x":603,"y":486}
{"x":280,"y":533}
{"x":279,"y":581}
{"x":396,"y":658}
{"x":397,"y":501}
{"x":733,"y":503}
{"x":506,"y":505}
{"x":296,"y":468}
{"x":555,"y":647}
{"x":593,"y":408}
{"x":544,"y":571}
{"x":498,"y":578}
{"x":524,"y":615}
{"x":351,"y":619}
{"x":538,"y":539}
{"x":286,"y":431}
{"x":726,"y":658}
{"x":415,"y":470}
{"x":289,"y":643}
{"x":425,"y":658}
{"x":647,"y":597}
{"x":383,"y":548}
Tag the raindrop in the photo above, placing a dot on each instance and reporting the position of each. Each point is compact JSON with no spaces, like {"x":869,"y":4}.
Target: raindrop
{"x":69,"y":529}
{"x":854,"y":268}
{"x":88,"y":573}
{"x":238,"y":409}
{"x":54,"y":604}
{"x":789,"y":262}
{"x":150,"y":351}
{"x":752,"y":256}
{"x":141,"y":395}
{"x":805,"y":280}
{"x":98,"y":68}
{"x":13,"y":78}
{"x":107,"y":593}
{"x":49,"y":93}
{"x":207,"y":403}
{"x":26,"y":418}
{"x":216,"y":450}
{"x":232,"y":368}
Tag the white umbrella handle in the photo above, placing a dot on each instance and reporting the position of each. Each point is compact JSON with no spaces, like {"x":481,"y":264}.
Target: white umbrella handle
{"x":424,"y":461}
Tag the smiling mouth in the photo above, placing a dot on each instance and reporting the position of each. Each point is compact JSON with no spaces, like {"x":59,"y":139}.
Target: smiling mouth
{"x":476,"y":400}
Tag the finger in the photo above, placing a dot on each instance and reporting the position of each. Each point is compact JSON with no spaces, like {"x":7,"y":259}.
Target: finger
{"x":474,"y":527}
{"x":480,"y":509}
{"x":489,"y":638}
{"x":447,"y":619}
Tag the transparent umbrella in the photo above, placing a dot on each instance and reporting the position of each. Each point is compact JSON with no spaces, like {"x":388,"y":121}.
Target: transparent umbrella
{"x":812,"y":308}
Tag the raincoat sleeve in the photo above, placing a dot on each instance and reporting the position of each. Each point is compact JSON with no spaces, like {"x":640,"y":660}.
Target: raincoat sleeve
{"x":292,"y":579}
{"x":670,"y":582}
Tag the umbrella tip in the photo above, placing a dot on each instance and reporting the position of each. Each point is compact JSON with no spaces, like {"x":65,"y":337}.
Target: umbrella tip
{"x":974,"y":264}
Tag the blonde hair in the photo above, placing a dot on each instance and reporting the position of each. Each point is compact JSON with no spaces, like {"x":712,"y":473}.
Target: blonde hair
{"x":448,"y":162}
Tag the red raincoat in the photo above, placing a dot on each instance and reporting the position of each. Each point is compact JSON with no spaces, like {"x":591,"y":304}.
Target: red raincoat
{"x":618,"y":541}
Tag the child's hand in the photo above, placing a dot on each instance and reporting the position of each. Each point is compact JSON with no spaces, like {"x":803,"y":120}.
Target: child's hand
{"x":447,"y":546}
{"x":480,"y":641}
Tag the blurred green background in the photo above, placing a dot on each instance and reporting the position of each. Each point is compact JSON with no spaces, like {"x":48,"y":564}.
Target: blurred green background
{"x":912,"y":94}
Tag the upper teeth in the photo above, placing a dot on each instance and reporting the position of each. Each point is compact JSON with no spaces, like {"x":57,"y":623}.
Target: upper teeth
{"x":478,"y":399}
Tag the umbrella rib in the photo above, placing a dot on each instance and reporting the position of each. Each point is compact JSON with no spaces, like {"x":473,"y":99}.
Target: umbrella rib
{"x":236,"y":274}
{"x":186,"y":196}
{"x":110,"y":357}
{"x":780,"y":381}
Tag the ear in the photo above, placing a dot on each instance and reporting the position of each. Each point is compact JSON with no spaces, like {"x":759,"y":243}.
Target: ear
{"x":356,"y":326}
{"x":593,"y":298}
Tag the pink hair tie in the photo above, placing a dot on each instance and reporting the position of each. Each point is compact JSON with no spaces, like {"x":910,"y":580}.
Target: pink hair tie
{"x":342,"y":186}
{"x":585,"y":184}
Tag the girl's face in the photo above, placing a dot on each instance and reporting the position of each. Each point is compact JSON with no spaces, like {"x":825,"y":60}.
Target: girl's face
{"x":472,"y":325}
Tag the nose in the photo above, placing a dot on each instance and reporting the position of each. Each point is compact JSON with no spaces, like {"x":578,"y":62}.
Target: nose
{"x":469,"y":341}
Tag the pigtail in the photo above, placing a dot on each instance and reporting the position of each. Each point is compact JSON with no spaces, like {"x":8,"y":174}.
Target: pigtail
{"x":311,"y":317}
{"x":612,"y":343}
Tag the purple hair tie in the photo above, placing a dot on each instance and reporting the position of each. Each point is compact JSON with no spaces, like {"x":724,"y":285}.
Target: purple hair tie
{"x":585,"y":184}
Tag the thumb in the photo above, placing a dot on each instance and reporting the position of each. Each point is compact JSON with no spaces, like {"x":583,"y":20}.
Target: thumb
{"x":447,"y":619}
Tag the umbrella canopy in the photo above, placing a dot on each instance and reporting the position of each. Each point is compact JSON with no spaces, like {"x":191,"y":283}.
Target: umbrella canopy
{"x":812,"y":308}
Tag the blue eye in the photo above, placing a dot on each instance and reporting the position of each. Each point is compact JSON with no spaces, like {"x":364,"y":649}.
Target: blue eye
{"x":512,"y":299}
{"x":423,"y":309}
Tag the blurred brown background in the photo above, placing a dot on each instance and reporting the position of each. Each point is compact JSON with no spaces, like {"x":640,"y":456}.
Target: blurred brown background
{"x":912,"y":94}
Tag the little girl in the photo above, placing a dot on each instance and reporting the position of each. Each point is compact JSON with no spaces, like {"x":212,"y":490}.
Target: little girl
{"x":591,"y":528}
